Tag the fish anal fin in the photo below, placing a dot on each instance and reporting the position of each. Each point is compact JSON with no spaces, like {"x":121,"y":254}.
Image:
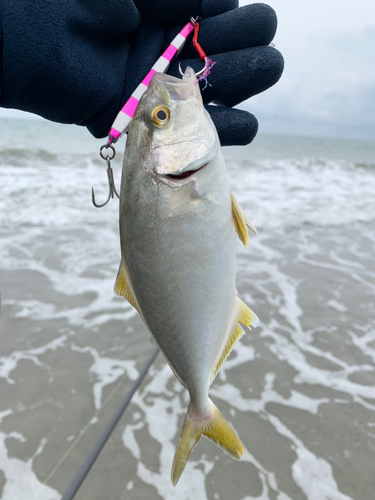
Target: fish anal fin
{"x":243,"y":314}
{"x":240,"y":221}
{"x":124,"y":287}
{"x":235,"y":334}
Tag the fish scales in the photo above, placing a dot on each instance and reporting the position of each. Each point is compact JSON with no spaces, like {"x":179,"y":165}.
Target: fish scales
{"x":166,"y":259}
{"x":178,"y":248}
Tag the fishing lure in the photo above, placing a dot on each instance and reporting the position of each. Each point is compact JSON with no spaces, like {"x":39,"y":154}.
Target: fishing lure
{"x":125,"y":116}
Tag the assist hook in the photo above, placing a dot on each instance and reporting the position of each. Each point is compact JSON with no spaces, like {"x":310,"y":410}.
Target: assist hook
{"x":208,"y":63}
{"x":111,"y":182}
{"x":196,"y":74}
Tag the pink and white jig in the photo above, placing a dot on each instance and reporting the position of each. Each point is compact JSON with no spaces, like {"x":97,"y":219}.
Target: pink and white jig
{"x":125,"y":116}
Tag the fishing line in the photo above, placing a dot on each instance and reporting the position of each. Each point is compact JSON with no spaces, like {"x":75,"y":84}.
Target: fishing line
{"x":83,"y":471}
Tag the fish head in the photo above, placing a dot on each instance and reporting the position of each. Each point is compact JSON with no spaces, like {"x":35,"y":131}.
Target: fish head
{"x":181,"y":135}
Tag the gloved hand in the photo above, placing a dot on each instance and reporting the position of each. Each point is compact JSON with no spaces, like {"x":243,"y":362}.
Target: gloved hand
{"x":80,"y":60}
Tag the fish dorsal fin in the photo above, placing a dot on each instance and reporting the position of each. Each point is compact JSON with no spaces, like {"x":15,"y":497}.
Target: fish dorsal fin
{"x":124,"y":286}
{"x":242,"y":314}
{"x":240,"y":221}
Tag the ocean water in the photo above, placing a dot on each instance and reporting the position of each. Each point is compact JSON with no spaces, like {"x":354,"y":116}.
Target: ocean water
{"x":299,"y":389}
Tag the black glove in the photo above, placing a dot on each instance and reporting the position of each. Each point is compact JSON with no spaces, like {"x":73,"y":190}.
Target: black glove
{"x":80,"y":60}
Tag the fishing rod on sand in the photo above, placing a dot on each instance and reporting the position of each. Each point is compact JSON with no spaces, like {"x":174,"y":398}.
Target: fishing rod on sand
{"x":97,"y":448}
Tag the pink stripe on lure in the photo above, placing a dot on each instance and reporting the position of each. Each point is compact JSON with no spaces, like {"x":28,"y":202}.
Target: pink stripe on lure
{"x":130,"y":106}
{"x":187,"y":29}
{"x":125,"y":116}
{"x":170,"y":52}
{"x":147,"y":79}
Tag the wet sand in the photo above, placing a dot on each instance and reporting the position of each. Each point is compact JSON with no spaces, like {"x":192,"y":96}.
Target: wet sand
{"x":299,"y":389}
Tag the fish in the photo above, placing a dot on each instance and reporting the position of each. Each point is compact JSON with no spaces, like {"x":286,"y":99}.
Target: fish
{"x":179,"y":222}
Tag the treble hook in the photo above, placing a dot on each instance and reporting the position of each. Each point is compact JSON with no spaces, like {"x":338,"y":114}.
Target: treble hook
{"x":111,"y":181}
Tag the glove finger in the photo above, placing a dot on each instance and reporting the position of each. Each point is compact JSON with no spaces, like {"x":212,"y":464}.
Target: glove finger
{"x":172,"y":11}
{"x":234,"y":126}
{"x":238,"y":75}
{"x":211,"y":8}
{"x":248,"y":26}
{"x":169,"y":11}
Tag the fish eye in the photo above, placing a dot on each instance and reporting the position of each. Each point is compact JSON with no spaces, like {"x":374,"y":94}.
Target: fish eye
{"x":160,"y":115}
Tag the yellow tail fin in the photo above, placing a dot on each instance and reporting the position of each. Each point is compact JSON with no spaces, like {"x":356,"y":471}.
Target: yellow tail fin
{"x":216,"y":428}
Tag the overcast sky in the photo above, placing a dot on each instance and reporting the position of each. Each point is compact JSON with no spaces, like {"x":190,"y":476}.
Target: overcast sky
{"x":328,"y":86}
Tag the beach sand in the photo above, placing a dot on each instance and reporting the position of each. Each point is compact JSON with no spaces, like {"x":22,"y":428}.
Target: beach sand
{"x":299,"y":389}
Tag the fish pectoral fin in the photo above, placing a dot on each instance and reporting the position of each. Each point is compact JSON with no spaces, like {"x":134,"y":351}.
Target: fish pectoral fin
{"x":240,"y":221}
{"x":216,"y":428}
{"x":243,"y":314}
{"x":183,"y":198}
{"x":124,"y":286}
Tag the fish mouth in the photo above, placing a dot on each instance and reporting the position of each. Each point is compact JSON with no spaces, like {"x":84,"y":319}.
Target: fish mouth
{"x":184,"y":175}
{"x":176,"y":165}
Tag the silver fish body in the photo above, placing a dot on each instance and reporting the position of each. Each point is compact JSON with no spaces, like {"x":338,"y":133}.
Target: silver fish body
{"x":178,"y":248}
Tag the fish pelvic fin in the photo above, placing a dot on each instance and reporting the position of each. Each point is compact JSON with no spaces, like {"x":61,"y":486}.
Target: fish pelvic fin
{"x":244,"y":315}
{"x":124,"y":286}
{"x":241,"y":222}
{"x":215,"y":427}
